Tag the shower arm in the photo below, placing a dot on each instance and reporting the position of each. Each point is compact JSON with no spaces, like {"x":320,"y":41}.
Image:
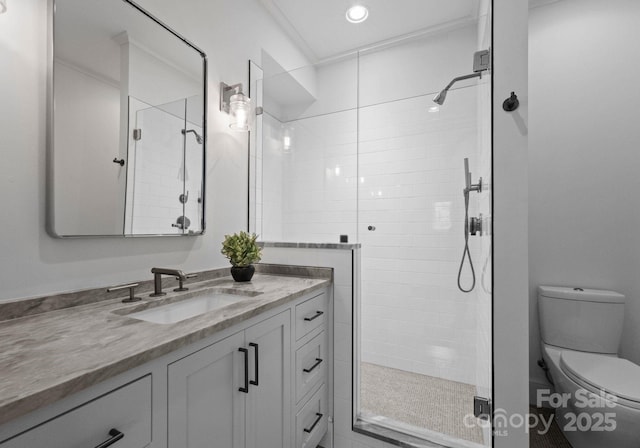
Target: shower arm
{"x":462,"y":78}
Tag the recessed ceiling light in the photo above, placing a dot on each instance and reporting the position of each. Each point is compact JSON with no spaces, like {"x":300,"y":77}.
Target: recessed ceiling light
{"x":357,"y":14}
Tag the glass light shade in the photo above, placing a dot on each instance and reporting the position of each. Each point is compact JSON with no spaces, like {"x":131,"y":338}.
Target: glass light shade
{"x":287,"y":139}
{"x":240,"y":112}
{"x":3,"y":6}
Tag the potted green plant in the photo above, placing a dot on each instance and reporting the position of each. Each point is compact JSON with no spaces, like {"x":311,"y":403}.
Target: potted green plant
{"x":242,"y":251}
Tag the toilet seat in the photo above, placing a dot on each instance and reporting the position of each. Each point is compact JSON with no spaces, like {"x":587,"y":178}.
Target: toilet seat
{"x":597,"y":373}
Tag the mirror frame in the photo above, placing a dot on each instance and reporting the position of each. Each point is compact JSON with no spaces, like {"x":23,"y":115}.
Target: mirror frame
{"x":50,"y":149}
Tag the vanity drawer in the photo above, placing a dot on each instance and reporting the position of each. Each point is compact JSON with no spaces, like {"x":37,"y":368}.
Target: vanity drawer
{"x":311,"y":421}
{"x":311,"y":365}
{"x":126,"y":410}
{"x":311,"y":314}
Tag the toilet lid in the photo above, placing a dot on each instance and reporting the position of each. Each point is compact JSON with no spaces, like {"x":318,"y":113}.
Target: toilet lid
{"x":615,"y":376}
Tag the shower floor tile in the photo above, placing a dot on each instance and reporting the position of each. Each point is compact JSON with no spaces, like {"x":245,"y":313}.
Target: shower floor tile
{"x":424,"y":402}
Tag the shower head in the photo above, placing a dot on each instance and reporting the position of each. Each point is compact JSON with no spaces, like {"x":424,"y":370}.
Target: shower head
{"x":440,"y":97}
{"x":198,"y":138}
{"x":481,"y":63}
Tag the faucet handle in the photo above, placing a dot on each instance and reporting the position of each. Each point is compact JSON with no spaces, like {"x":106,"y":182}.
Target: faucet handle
{"x":131,"y":287}
{"x":181,"y":286}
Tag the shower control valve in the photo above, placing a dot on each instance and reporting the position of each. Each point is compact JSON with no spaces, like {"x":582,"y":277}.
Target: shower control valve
{"x":475,"y":225}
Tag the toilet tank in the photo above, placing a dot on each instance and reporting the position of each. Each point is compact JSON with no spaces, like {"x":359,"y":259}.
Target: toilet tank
{"x":589,"y":320}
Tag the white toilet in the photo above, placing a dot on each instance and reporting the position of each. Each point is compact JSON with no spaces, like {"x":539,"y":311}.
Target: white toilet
{"x":581,"y":332}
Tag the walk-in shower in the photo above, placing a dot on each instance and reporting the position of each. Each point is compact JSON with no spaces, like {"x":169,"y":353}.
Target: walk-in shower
{"x":339,"y":155}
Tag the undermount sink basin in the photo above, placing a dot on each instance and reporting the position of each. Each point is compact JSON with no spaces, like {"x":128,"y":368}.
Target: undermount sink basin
{"x":175,"y":312}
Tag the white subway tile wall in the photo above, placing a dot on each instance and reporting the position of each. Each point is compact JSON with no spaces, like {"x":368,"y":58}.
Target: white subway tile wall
{"x":309,"y":189}
{"x":411,"y":179}
{"x":157,"y":182}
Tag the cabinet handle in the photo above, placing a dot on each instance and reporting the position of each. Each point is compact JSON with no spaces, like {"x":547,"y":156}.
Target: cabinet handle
{"x":312,"y":368}
{"x":319,"y":415}
{"x":115,"y":436}
{"x":245,"y":389}
{"x":315,"y":316}
{"x":257,"y":361}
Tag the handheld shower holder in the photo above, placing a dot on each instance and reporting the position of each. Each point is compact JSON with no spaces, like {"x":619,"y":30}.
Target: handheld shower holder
{"x":474,"y":187}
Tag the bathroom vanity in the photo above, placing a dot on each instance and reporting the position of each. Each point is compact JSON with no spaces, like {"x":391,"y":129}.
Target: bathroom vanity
{"x":251,"y":373}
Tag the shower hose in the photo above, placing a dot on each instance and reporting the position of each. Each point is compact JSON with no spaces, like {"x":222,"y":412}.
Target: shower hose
{"x":465,"y":252}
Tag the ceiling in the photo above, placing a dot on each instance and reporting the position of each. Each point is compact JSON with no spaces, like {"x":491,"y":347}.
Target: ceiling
{"x":320,"y":29}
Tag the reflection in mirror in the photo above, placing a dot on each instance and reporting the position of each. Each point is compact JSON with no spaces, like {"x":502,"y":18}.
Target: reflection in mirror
{"x":127,"y":124}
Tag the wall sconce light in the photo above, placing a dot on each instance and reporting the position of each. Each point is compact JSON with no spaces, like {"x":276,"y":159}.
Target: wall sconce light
{"x":287,"y":139}
{"x":237,"y":105}
{"x":3,"y":6}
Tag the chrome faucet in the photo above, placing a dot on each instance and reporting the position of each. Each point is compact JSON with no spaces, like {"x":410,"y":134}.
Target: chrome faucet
{"x":157,"y":279}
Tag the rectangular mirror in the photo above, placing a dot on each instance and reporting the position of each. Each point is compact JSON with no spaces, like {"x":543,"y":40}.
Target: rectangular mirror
{"x":127,"y":124}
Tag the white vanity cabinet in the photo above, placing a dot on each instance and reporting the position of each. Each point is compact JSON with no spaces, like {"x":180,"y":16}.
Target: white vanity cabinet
{"x":234,"y":393}
{"x":262,"y":383}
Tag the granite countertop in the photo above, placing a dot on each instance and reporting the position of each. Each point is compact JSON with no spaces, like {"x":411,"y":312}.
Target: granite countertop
{"x":48,"y":356}
{"x":303,"y":245}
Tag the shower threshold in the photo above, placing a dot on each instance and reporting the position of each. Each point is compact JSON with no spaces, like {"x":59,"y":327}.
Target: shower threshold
{"x":403,"y":435}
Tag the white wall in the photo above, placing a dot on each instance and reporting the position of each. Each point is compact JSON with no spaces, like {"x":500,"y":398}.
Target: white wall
{"x":157,"y":82}
{"x":510,"y":222}
{"x":584,"y":159}
{"x":87,"y":127}
{"x":33,"y":263}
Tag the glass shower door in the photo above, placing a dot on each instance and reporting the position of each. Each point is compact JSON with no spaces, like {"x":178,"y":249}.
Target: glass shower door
{"x":423,"y":351}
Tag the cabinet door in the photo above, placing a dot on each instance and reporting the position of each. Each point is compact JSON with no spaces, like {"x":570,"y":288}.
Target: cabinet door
{"x":206,"y":408}
{"x":269,"y":401}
